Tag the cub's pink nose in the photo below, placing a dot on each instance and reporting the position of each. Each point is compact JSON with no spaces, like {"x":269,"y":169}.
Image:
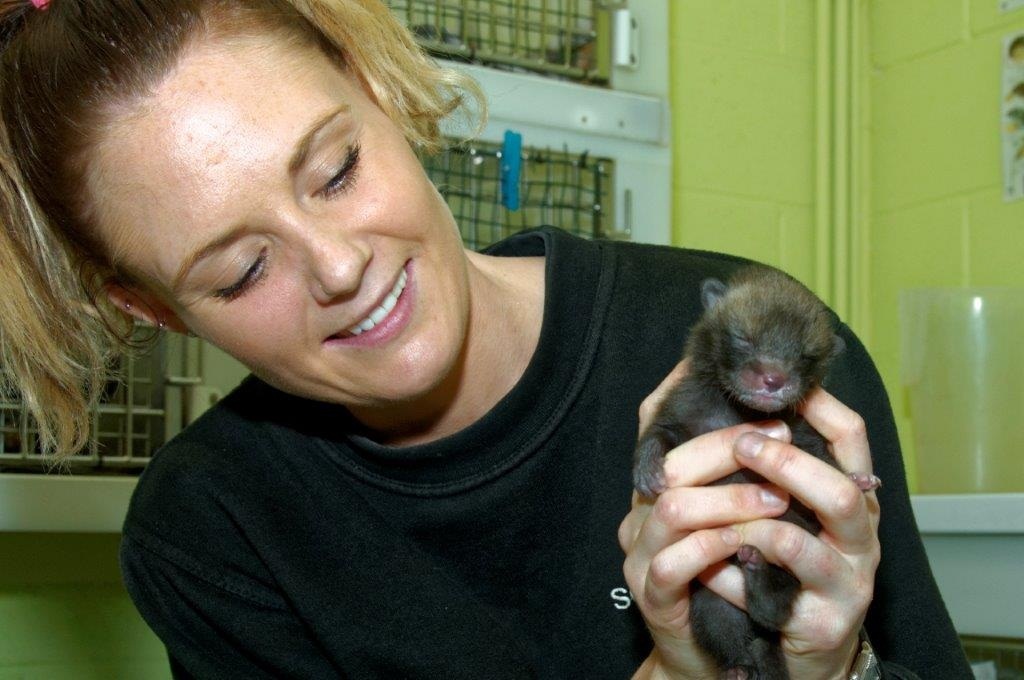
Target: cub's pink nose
{"x":774,"y":381}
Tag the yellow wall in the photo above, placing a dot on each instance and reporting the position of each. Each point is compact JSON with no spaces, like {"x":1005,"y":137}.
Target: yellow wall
{"x":744,"y":131}
{"x":64,"y":614}
{"x":938,"y":217}
{"x":742,"y":96}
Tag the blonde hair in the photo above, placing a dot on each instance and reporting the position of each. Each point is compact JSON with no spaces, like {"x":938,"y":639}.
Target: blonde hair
{"x":63,"y":71}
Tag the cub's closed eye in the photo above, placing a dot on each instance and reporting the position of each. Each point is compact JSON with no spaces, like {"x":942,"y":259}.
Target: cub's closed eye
{"x":343,"y":179}
{"x":741,"y":340}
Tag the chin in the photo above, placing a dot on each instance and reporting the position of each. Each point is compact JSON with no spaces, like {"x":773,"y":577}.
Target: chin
{"x":425,"y":375}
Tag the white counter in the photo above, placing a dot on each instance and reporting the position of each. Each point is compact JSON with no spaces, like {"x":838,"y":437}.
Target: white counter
{"x":95,"y":503}
{"x":975,"y":544}
{"x":996,"y":513}
{"x":65,"y":503}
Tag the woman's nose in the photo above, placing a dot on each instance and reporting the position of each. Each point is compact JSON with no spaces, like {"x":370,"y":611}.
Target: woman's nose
{"x":336,"y":267}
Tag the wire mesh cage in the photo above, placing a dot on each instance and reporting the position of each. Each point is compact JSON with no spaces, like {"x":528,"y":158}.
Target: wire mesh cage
{"x":565,"y":38}
{"x":135,"y":416}
{"x":569,"y":190}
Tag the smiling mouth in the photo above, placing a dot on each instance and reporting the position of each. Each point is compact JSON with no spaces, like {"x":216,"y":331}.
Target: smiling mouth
{"x":381,"y":311}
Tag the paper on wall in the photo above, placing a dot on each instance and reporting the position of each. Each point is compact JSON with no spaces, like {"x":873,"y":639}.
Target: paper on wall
{"x":1012,"y":116}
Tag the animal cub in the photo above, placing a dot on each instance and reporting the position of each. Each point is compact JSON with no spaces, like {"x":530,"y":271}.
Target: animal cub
{"x":763,"y":342}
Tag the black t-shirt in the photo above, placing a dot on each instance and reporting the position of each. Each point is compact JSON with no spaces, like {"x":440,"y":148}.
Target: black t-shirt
{"x":270,"y":539}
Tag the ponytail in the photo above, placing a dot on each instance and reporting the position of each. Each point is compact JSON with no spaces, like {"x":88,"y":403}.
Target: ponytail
{"x":53,"y":346}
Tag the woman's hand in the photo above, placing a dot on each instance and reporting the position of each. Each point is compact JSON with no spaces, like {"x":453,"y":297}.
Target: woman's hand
{"x":690,"y":529}
{"x":687,"y":532}
{"x":837,"y":567}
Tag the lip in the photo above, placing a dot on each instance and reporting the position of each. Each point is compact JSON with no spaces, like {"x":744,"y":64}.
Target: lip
{"x":765,"y":402}
{"x":388,"y":327}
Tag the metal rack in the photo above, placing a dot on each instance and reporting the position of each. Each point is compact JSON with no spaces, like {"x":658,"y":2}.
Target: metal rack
{"x":564,"y":38}
{"x":138,"y":412}
{"x":568,"y":189}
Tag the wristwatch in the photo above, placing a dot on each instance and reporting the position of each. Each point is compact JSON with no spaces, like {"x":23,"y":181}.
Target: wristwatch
{"x":865,"y":666}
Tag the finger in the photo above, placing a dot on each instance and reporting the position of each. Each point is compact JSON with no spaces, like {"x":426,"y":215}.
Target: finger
{"x":842,"y":427}
{"x":697,"y":462}
{"x":634,"y":521}
{"x":680,"y":511}
{"x":672,"y":569}
{"x":709,"y":457}
{"x":838,"y":502}
{"x":650,"y":404}
{"x":814,"y":563}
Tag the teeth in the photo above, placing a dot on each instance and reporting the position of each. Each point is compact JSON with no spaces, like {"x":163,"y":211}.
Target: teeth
{"x":377,"y":315}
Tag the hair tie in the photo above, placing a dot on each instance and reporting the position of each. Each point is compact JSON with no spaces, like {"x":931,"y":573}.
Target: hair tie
{"x":40,"y":4}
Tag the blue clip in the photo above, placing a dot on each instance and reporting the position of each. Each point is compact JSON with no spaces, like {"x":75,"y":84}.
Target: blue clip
{"x":511,"y":163}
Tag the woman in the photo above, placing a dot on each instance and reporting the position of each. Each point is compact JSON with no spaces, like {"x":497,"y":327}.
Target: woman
{"x":428,"y":473}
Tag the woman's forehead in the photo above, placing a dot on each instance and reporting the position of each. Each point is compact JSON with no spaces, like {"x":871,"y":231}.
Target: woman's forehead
{"x":221,"y":90}
{"x":242,"y":83}
{"x":227,"y":117}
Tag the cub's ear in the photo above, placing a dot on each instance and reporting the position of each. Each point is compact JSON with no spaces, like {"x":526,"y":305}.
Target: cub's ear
{"x":838,"y":346}
{"x":711,"y":292}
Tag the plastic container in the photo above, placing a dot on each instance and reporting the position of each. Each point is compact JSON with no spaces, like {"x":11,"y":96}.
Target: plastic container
{"x":963,"y":369}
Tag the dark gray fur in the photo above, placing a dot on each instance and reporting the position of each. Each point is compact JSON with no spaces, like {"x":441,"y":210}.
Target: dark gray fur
{"x":763,"y":343}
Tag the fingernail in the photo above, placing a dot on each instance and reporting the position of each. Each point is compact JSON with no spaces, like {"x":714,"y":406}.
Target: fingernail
{"x":730,"y":536}
{"x":771,"y":497}
{"x":776,"y":429}
{"x":749,"y":444}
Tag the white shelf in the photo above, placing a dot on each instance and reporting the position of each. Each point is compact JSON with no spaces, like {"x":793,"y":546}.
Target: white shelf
{"x":84,"y":503}
{"x":571,"y":107}
{"x":997,"y":513}
{"x":975,"y":543}
{"x":64,"y":503}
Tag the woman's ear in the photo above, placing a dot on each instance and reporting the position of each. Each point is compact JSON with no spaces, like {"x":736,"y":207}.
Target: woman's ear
{"x":145,"y":307}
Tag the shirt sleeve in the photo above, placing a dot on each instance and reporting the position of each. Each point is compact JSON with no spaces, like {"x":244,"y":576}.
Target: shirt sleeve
{"x":217,"y":625}
{"x":907,"y":622}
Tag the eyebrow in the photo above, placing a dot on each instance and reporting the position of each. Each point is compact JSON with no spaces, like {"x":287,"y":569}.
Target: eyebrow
{"x":301,"y":153}
{"x":298,"y":159}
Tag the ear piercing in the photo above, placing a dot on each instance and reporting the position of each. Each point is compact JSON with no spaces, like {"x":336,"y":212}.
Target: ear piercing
{"x":160,"y":323}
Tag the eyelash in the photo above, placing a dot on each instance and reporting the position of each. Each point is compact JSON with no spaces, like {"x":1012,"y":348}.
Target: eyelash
{"x":249,"y":278}
{"x":342,"y":180}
